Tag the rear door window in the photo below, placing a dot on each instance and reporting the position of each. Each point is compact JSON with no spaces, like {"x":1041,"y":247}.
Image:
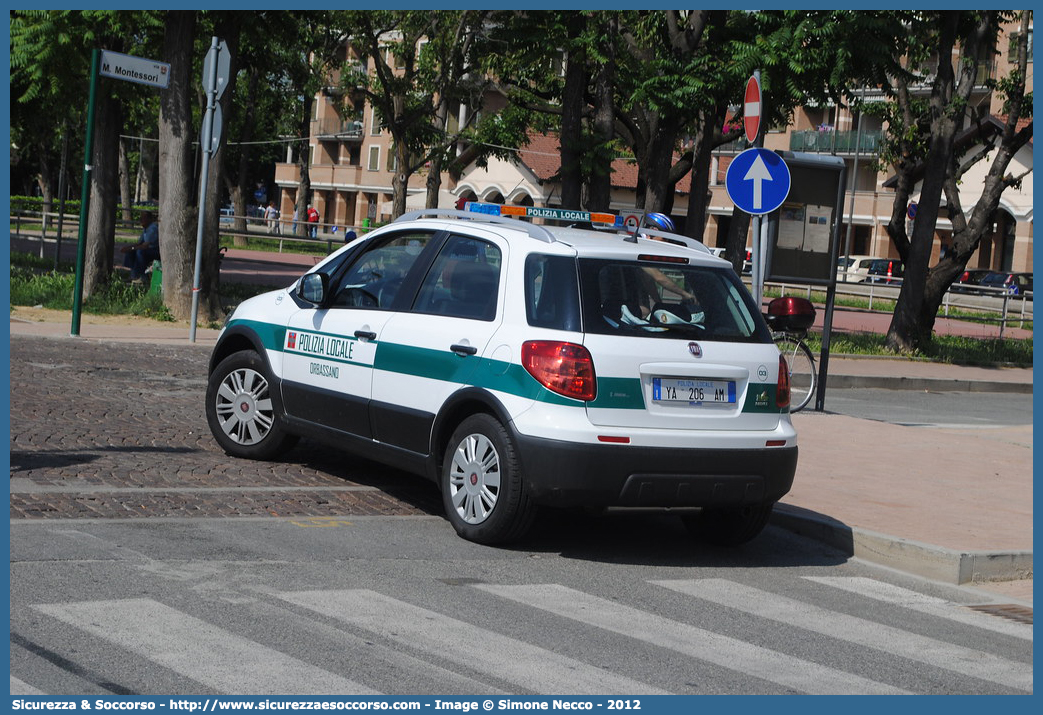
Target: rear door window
{"x":552,"y":292}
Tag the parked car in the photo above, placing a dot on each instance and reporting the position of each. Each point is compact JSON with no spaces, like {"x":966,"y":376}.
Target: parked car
{"x":1012,"y":283}
{"x":969,"y":280}
{"x":519,"y":365}
{"x":885,"y":270}
{"x":854,"y":268}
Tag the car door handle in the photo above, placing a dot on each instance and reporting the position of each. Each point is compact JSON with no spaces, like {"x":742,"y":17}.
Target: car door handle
{"x":463,"y":349}
{"x":365,"y":335}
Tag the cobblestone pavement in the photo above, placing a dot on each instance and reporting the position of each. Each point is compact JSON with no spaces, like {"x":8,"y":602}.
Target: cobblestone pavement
{"x":119,"y":431}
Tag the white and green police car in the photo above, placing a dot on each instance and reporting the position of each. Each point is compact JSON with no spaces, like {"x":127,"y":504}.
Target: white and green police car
{"x":521,"y":365}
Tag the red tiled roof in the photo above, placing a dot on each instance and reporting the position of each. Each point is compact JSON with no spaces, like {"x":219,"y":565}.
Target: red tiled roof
{"x":542,"y":156}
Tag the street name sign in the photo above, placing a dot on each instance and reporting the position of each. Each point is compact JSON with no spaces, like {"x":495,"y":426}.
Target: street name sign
{"x":134,"y":69}
{"x":758,"y":181}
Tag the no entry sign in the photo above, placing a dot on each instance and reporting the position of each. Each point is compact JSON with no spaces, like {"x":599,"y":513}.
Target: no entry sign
{"x":751,"y":112}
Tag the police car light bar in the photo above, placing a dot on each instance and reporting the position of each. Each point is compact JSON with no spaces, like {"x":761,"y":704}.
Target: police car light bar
{"x":536,"y":212}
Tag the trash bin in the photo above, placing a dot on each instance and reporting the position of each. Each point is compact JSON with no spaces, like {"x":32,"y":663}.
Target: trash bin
{"x":156,"y":284}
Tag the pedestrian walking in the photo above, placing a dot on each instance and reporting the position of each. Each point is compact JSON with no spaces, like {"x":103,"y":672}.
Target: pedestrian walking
{"x":272,"y":216}
{"x":313,"y":222}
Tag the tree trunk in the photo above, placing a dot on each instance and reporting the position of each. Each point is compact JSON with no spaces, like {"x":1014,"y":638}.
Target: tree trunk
{"x":434,"y":180}
{"x":45,"y":180}
{"x":699,"y":195}
{"x":239,"y":184}
{"x":913,"y":320}
{"x":177,"y":210}
{"x":572,"y":106}
{"x":656,"y":170}
{"x":304,"y":198}
{"x":126,"y":200}
{"x":101,"y":221}
{"x":146,"y":185}
{"x":400,"y":182}
{"x":599,"y":184}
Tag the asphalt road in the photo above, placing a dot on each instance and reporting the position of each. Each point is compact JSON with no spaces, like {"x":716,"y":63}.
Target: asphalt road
{"x":145,"y":561}
{"x":933,"y":409}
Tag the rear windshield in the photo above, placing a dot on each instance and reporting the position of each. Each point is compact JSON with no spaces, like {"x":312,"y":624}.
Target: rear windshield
{"x":668,"y":301}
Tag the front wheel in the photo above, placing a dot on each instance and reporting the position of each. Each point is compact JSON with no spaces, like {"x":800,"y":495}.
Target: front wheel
{"x":482,"y":487}
{"x":242,"y":411}
{"x":802,"y":377}
{"x":729,"y":527}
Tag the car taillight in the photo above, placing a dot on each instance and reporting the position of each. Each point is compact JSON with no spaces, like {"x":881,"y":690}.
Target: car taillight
{"x":564,"y":368}
{"x":782,"y":387}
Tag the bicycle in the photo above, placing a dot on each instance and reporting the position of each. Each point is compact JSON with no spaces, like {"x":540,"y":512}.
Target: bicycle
{"x":789,"y":319}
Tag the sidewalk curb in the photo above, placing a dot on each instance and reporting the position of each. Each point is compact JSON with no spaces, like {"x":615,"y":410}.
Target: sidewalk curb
{"x":933,"y":562}
{"x":926,"y":384}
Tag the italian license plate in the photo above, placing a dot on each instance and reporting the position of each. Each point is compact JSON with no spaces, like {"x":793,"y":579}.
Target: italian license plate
{"x":693,"y":391}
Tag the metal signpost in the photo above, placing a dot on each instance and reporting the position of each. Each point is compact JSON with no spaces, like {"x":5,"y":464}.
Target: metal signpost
{"x":757,"y":180}
{"x":215,"y":79}
{"x":119,"y":66}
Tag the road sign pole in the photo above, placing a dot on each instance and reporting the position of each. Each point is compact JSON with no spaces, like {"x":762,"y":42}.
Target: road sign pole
{"x":85,"y":197}
{"x":757,"y":253}
{"x":206,"y":145}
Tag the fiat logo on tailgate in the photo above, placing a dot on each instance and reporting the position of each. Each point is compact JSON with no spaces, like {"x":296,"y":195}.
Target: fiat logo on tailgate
{"x":695,"y":349}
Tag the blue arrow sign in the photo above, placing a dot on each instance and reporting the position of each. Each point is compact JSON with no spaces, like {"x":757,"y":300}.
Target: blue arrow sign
{"x":758,"y":181}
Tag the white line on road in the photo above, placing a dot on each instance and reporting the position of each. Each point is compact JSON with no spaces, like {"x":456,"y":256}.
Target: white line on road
{"x":449,"y":639}
{"x":851,"y":629}
{"x":714,"y":648}
{"x":898,"y":596}
{"x":199,"y":650}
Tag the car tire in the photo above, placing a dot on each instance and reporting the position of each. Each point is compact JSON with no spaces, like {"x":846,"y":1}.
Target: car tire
{"x":243,"y":410}
{"x":483,"y":491}
{"x":729,"y":527}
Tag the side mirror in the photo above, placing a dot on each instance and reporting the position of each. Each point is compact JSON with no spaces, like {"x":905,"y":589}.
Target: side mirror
{"x":313,"y":288}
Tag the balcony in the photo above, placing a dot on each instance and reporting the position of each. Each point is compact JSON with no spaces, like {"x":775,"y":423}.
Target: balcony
{"x":827,"y":142}
{"x":336,"y":128}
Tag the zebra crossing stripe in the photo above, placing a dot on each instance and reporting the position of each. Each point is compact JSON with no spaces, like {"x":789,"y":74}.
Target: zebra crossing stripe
{"x":851,"y":629}
{"x":522,"y":664}
{"x":20,"y":687}
{"x":199,"y":650}
{"x":930,"y":605}
{"x":731,"y":653}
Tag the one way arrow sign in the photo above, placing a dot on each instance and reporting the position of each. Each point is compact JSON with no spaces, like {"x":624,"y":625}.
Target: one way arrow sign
{"x":758,"y":181}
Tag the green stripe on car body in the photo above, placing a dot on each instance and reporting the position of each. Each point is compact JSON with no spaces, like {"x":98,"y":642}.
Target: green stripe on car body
{"x":619,"y":393}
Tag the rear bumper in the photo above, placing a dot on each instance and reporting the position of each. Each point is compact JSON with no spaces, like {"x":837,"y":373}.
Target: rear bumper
{"x":569,"y":474}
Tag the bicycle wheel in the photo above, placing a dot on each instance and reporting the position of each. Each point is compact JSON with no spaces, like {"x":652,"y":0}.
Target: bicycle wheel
{"x":802,"y":376}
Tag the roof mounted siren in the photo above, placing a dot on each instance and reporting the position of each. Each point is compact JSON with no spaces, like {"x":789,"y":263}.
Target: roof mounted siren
{"x":653,"y":219}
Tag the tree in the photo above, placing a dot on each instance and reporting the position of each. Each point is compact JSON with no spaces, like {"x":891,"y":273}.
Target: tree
{"x":923,"y":142}
{"x":51,"y":53}
{"x":423,"y":68}
{"x":449,"y":74}
{"x":177,"y":210}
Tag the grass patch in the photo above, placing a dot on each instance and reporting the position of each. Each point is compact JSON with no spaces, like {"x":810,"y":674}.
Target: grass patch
{"x":54,"y":289}
{"x":952,"y":349}
{"x":35,"y":282}
{"x":885,"y":305}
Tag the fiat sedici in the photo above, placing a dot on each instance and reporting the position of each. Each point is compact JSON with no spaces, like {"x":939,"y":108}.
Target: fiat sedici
{"x":520,"y":365}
